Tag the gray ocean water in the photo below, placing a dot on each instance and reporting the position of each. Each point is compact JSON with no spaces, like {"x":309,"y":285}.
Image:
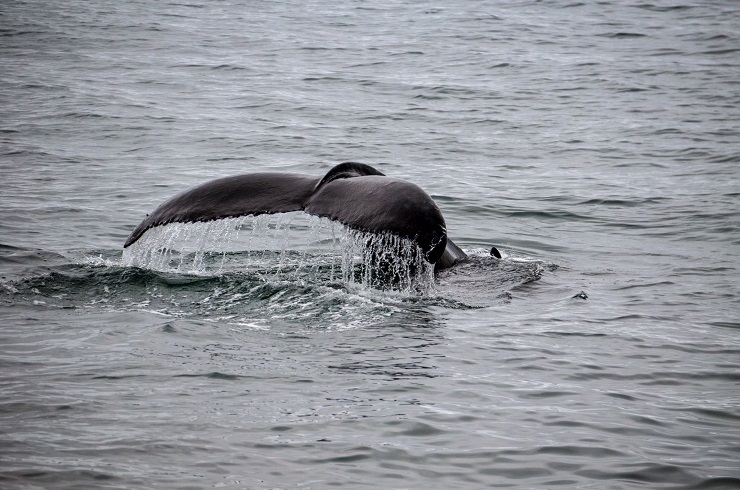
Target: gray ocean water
{"x":596,"y":144}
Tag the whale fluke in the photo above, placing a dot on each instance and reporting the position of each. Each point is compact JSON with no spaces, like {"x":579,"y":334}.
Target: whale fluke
{"x":355,"y":194}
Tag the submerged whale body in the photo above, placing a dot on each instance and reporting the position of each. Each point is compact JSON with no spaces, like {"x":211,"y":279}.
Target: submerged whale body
{"x":355,"y":194}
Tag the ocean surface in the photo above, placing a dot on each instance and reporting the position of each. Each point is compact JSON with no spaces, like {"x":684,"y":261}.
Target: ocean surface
{"x":595,"y":144}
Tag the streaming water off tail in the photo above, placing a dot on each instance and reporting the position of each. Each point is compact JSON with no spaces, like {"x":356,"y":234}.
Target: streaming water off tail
{"x":370,"y":260}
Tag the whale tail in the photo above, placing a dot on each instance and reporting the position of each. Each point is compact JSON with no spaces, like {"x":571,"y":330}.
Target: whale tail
{"x":355,"y":194}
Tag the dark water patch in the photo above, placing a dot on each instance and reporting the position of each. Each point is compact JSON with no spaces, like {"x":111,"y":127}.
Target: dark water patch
{"x":715,"y":483}
{"x":650,"y":285}
{"x":665,"y":52}
{"x":644,"y":473}
{"x":117,"y":378}
{"x":661,"y":8}
{"x":659,"y":378}
{"x":726,"y":324}
{"x":697,"y":348}
{"x":214,"y":375}
{"x":282,"y":428}
{"x":554,"y":216}
{"x":566,"y":423}
{"x":575,"y":334}
{"x":228,"y":67}
{"x":640,"y":419}
{"x":701,"y":271}
{"x":631,"y":203}
{"x":390,"y":369}
{"x":547,"y":394}
{"x":720,"y":51}
{"x":716,"y":37}
{"x":413,"y":429}
{"x":623,"y":35}
{"x":517,"y":473}
{"x":731,"y":414}
{"x":729,"y":158}
{"x":622,"y":396}
{"x":589,"y":451}
{"x":33,"y":410}
{"x":82,"y":478}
